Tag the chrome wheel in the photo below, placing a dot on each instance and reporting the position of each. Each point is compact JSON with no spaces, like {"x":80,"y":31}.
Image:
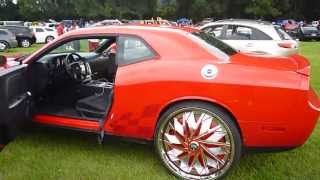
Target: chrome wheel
{"x":25,"y":43}
{"x":49,"y":39}
{"x":3,"y":46}
{"x":195,"y":143}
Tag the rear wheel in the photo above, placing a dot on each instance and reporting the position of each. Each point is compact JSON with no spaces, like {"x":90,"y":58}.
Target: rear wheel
{"x":25,"y":43}
{"x":49,"y":39}
{"x":198,"y":141}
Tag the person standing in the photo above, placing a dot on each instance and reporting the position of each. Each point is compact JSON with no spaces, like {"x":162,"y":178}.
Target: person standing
{"x":60,"y":29}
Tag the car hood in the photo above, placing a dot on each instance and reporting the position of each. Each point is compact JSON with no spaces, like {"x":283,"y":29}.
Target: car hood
{"x":294,"y":63}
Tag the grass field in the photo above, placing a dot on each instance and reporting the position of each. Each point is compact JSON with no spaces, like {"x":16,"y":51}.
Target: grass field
{"x":45,"y":153}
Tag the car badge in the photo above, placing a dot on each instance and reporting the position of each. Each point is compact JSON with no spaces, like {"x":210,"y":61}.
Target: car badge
{"x":209,"y":72}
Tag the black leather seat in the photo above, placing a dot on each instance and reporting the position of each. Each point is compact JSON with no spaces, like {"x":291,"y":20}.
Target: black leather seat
{"x":112,"y":67}
{"x":95,"y":106}
{"x":105,"y":67}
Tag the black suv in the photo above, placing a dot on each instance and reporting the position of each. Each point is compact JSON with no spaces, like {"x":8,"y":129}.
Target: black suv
{"x":24,"y":35}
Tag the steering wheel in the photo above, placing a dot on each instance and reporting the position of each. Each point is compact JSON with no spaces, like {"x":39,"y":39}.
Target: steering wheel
{"x":77,"y":67}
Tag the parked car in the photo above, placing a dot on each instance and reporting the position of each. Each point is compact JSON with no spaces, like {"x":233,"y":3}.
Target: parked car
{"x":44,"y":34}
{"x":309,"y":33}
{"x":24,"y":35}
{"x":107,"y":22}
{"x":11,"y":23}
{"x":253,"y":36}
{"x":201,"y":102}
{"x":7,"y":40}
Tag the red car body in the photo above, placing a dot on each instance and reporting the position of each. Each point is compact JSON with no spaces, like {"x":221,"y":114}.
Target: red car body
{"x":269,"y":97}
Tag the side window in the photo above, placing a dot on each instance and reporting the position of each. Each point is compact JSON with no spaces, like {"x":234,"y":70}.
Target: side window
{"x":234,"y":32}
{"x":215,"y":31}
{"x":133,"y":49}
{"x":39,"y":30}
{"x":259,"y":35}
{"x":47,"y":29}
{"x":3,"y":32}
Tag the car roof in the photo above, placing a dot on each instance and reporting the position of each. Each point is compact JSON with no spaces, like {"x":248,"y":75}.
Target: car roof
{"x":251,"y":23}
{"x":246,"y":21}
{"x":130,"y":29}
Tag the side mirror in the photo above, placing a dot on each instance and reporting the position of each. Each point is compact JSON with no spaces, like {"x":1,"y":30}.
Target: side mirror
{"x":3,"y":60}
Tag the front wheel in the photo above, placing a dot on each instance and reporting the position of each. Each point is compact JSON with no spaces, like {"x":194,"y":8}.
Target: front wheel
{"x":49,"y":39}
{"x":198,"y":141}
{"x":4,"y":46}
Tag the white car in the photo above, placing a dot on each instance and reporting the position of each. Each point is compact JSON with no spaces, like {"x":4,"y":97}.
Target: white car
{"x":44,"y":34}
{"x":253,"y":36}
{"x":107,"y":22}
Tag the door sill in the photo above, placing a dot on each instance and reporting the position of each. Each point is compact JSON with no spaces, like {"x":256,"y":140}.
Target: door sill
{"x":67,"y":122}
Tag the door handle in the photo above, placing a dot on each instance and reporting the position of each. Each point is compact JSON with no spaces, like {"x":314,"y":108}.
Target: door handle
{"x":19,"y":100}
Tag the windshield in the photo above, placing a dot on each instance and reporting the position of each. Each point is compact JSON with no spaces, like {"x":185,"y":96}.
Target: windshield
{"x":213,"y":45}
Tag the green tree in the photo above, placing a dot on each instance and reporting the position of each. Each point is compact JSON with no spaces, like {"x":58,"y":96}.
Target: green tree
{"x":200,"y":10}
{"x":9,"y":11}
{"x":167,"y":10}
{"x":262,"y":9}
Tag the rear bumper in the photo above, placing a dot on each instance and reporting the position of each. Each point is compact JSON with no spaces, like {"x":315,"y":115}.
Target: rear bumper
{"x":13,"y":43}
{"x":292,"y":131}
{"x":313,"y":101}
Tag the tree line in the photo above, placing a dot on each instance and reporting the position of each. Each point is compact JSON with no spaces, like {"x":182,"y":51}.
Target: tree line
{"x":169,"y":9}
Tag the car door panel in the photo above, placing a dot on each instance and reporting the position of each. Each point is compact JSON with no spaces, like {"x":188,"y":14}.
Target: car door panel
{"x":14,"y":98}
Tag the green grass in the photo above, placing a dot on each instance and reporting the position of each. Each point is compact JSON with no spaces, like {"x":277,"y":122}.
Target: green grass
{"x":21,"y":51}
{"x":45,"y":153}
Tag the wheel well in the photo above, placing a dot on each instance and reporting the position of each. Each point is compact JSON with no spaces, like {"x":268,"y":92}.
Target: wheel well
{"x":203,"y":101}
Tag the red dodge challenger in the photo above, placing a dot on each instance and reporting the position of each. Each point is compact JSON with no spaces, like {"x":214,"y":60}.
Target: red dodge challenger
{"x":201,"y":102}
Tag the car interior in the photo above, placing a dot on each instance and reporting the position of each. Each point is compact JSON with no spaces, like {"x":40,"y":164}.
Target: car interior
{"x":76,"y":79}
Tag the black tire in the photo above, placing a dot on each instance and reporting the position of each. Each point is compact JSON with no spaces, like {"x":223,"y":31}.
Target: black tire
{"x":4,"y":46}
{"x":25,"y":43}
{"x":49,"y":38}
{"x":226,"y":120}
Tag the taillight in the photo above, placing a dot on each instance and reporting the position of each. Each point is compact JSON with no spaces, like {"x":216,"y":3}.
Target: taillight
{"x":287,"y":45}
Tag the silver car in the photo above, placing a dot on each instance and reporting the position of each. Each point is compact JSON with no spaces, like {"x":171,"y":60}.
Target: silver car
{"x":7,"y":40}
{"x":253,"y":36}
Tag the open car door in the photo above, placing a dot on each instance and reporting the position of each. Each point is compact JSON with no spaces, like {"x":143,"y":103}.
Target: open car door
{"x":14,"y":101}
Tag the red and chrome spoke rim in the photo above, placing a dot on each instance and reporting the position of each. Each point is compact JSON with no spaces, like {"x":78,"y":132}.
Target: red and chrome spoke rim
{"x":196,"y":144}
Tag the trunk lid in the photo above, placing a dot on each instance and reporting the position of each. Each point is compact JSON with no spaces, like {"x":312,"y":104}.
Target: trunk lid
{"x":295,"y":63}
